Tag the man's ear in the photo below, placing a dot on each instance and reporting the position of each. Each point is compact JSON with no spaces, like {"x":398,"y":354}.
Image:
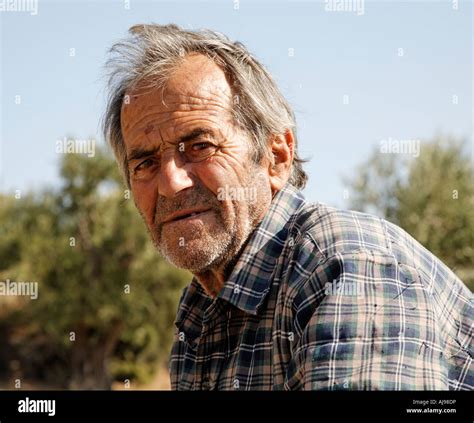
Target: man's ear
{"x":282,"y":151}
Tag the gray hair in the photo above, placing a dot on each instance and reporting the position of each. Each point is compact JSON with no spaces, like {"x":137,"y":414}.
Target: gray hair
{"x":153,"y":51}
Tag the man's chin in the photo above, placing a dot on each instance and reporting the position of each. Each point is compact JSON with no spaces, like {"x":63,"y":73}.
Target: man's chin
{"x":194,"y":257}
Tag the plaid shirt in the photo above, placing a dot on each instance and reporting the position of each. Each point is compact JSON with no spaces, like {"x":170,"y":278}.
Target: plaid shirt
{"x":327,"y":299}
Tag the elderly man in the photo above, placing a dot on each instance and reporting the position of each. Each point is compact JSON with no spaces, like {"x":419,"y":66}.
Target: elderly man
{"x":286,"y":295}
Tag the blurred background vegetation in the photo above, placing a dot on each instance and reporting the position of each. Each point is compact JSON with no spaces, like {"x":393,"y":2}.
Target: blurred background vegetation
{"x":107,"y":300}
{"x":100,"y":282}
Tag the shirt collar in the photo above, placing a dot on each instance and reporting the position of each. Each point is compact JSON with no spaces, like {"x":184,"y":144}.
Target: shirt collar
{"x":251,"y":279}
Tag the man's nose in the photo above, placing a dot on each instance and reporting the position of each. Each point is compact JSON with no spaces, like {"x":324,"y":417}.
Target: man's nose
{"x":174,"y":176}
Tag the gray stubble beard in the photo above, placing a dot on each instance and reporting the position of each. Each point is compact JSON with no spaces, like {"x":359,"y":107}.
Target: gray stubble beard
{"x":223,"y":247}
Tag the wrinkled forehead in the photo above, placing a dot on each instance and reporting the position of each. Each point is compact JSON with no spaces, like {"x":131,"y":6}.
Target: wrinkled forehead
{"x":197,"y":84}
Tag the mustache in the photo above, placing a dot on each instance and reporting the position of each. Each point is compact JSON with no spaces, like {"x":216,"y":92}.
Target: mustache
{"x":198,"y":197}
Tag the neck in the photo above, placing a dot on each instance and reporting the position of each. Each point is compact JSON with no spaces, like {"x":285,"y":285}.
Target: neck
{"x":213,"y":279}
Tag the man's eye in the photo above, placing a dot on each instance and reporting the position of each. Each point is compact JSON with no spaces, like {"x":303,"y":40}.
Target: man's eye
{"x":201,"y":146}
{"x":200,"y":151}
{"x":146,"y":164}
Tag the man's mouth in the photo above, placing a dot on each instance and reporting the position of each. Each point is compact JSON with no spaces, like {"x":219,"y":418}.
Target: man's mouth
{"x":185,"y":215}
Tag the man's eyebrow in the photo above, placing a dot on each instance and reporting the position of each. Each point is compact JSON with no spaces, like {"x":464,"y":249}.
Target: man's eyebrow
{"x":195,"y":133}
{"x":140,"y":153}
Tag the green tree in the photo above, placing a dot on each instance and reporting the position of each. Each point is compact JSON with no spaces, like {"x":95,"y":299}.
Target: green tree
{"x":430,"y":196}
{"x":106,"y":300}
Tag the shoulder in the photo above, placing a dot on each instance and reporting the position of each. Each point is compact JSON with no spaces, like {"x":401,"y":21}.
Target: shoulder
{"x":321,"y":235}
{"x":325,"y":239}
{"x":343,"y":256}
{"x":333,"y":230}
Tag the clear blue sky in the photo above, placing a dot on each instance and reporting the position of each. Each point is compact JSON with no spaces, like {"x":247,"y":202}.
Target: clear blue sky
{"x":335,"y":54}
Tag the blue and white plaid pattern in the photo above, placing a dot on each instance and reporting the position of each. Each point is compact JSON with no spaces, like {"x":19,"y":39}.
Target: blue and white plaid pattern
{"x":327,"y":299}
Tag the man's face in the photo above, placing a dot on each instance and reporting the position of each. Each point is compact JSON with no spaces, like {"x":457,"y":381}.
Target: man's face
{"x":186,"y":155}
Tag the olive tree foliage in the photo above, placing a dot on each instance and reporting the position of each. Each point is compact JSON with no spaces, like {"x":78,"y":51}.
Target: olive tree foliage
{"x":106,"y":299}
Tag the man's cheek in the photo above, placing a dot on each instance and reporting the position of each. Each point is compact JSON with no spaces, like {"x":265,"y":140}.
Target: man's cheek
{"x":218,"y":175}
{"x":211,"y":177}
